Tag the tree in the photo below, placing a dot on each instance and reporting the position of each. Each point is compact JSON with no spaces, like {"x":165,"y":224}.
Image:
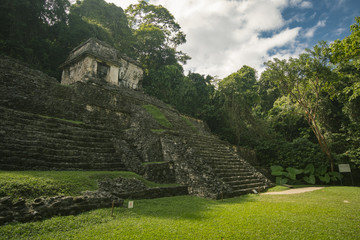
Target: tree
{"x":304,"y":80}
{"x":163,"y":82}
{"x":236,"y":98}
{"x":346,"y":56}
{"x":105,"y":21}
{"x":157,"y":34}
{"x":194,"y":95}
{"x":26,"y":31}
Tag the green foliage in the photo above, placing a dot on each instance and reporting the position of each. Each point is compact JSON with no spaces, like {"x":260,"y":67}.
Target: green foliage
{"x":298,"y":153}
{"x":277,"y":170}
{"x":309,"y":169}
{"x":163,"y":82}
{"x":309,"y":174}
{"x":292,"y":172}
{"x":286,"y":119}
{"x":189,"y":123}
{"x":158,"y":130}
{"x":235,"y":99}
{"x":310,"y":179}
{"x":158,"y":115}
{"x":26,"y":32}
{"x":157,"y":33}
{"x":105,"y":21}
{"x":283,"y":177}
{"x":304,"y":80}
{"x":328,"y":213}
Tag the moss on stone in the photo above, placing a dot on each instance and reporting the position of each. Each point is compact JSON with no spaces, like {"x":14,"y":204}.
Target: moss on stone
{"x":157,"y":115}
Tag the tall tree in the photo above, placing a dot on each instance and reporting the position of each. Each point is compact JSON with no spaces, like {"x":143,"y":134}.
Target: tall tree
{"x":158,"y":34}
{"x":105,"y":21}
{"x":25,"y":30}
{"x":346,"y":56}
{"x":304,"y":80}
{"x":236,"y":97}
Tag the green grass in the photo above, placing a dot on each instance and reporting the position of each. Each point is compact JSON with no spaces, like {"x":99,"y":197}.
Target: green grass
{"x":159,"y":131}
{"x":33,"y":184}
{"x":278,"y":188}
{"x":158,"y":115}
{"x":189,"y":123}
{"x":331,"y":213}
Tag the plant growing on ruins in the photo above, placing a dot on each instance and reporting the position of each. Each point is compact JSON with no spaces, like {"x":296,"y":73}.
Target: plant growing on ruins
{"x":157,"y":115}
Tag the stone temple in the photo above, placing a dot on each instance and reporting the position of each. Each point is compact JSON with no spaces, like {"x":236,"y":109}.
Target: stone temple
{"x":96,"y":119}
{"x":95,"y":58}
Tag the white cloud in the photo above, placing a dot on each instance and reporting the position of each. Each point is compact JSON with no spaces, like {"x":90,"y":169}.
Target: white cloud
{"x":301,"y":3}
{"x":311,"y":31}
{"x":224,"y":35}
{"x":122,"y":3}
{"x":306,"y":4}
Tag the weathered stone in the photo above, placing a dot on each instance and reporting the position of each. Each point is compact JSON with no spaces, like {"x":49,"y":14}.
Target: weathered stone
{"x":95,"y":58}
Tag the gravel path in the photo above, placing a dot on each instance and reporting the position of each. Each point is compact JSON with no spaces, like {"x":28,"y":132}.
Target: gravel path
{"x":294,"y":191}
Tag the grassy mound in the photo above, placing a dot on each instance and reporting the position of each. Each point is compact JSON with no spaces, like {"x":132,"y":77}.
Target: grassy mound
{"x":330,"y":213}
{"x":33,"y":184}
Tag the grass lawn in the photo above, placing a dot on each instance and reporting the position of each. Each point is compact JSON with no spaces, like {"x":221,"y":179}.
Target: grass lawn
{"x":33,"y":184}
{"x":330,"y":213}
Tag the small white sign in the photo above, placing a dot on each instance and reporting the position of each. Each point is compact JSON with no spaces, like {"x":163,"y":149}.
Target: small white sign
{"x":131,"y":204}
{"x":344,"y":168}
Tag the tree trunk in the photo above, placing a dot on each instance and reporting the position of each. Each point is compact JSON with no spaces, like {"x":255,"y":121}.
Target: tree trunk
{"x":321,"y":140}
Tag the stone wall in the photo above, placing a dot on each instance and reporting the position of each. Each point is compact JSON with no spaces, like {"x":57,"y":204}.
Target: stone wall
{"x":111,"y":191}
{"x":190,"y":169}
{"x":84,"y":60}
{"x":161,"y":172}
{"x":42,"y":208}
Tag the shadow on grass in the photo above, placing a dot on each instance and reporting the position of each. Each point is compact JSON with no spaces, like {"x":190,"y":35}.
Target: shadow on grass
{"x":182,"y":207}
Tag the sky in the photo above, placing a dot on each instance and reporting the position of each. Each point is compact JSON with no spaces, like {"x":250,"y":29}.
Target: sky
{"x":224,"y":35}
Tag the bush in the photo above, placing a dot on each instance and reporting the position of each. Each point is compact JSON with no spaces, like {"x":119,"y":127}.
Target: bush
{"x":297,"y":154}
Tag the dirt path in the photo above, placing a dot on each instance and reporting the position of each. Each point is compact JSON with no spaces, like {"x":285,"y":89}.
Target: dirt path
{"x":294,"y":191}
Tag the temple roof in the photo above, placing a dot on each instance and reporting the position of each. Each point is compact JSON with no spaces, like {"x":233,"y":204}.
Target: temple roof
{"x":98,"y":49}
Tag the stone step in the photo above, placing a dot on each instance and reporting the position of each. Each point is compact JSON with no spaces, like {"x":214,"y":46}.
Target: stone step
{"x":10,"y":116}
{"x":220,"y":158}
{"x":232,"y":170}
{"x":239,"y":186}
{"x":247,"y":180}
{"x":55,"y":149}
{"x":18,"y":163}
{"x":233,"y":174}
{"x":217,"y":155}
{"x":74,"y":136}
{"x":240,"y":192}
{"x":41,"y":152}
{"x":210,"y":146}
{"x":57,"y":159}
{"x":238,"y":178}
{"x":54,"y":143}
{"x":227,"y":164}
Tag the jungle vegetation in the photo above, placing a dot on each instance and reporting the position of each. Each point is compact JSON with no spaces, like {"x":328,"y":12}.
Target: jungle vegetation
{"x":299,"y":111}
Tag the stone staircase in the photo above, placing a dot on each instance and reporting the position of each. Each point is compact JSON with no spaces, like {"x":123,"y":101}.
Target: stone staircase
{"x":34,"y":142}
{"x":240,"y":176}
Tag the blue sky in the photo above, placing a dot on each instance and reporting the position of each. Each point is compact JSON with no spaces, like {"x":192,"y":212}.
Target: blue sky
{"x":224,"y":35}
